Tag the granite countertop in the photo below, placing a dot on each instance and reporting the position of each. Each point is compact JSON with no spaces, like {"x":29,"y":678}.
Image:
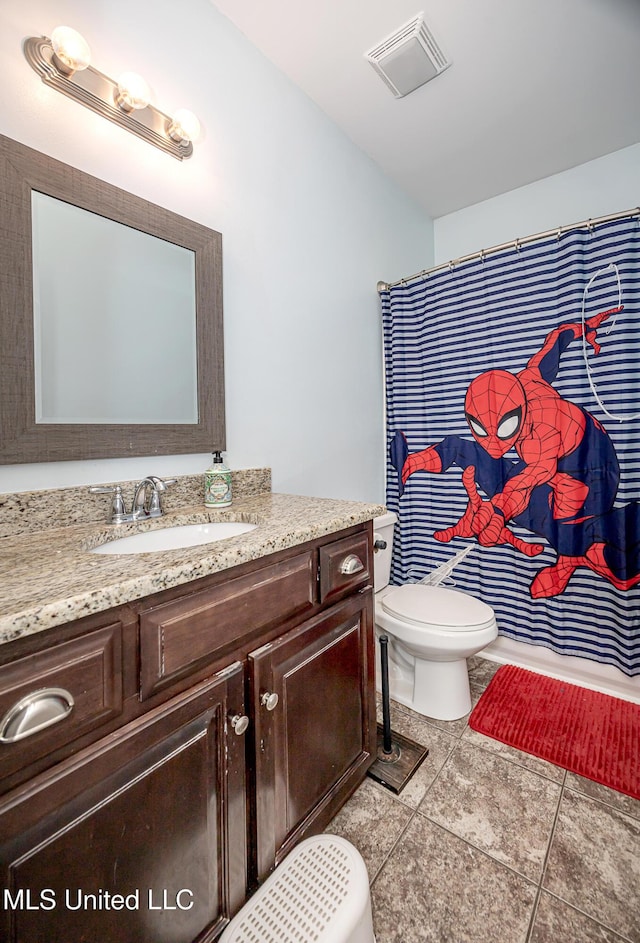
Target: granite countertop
{"x":49,"y":578}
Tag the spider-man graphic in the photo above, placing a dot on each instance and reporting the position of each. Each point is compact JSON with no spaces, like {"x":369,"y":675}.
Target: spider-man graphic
{"x":562,"y":485}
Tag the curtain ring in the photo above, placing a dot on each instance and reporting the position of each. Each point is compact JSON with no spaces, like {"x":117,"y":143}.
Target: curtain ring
{"x":559,"y":233}
{"x":517,"y":246}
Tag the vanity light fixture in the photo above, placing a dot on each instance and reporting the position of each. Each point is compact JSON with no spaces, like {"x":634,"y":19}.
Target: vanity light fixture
{"x":184,"y":127}
{"x":64,"y":63}
{"x":71,"y":51}
{"x":133,"y":92}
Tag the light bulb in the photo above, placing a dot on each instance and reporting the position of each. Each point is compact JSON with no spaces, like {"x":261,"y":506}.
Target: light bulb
{"x":184,"y":126}
{"x":71,"y":51}
{"x":133,"y":92}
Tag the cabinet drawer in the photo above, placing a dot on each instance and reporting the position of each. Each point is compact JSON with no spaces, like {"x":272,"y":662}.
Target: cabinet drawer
{"x":345,"y":566}
{"x":49,"y":698}
{"x":176,"y":636}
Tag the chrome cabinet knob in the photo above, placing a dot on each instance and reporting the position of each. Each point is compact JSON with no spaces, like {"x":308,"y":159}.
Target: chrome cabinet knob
{"x":239,"y":722}
{"x":269,"y":700}
{"x":351,"y":564}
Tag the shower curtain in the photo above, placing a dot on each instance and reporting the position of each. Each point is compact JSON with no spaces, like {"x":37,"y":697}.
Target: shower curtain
{"x":513,"y":426}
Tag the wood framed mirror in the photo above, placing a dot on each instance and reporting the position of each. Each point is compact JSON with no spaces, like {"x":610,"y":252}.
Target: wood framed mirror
{"x":133,"y":365}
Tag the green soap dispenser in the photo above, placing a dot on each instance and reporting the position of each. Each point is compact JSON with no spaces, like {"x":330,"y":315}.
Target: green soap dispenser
{"x":217,"y":484}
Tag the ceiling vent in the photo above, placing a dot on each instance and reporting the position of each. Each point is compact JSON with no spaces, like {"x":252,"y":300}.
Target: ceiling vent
{"x":408,"y":58}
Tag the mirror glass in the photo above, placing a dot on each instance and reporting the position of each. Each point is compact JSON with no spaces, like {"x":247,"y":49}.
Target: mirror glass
{"x":114,"y":310}
{"x":111,"y":334}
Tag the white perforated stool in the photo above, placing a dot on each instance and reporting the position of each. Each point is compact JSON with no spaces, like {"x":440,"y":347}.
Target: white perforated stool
{"x":319,"y":894}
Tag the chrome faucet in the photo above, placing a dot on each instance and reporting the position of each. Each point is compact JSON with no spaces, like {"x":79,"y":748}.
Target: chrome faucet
{"x":147,"y":501}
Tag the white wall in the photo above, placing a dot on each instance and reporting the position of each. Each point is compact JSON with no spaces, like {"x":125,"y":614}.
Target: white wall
{"x":309,"y":226}
{"x":607,"y":185}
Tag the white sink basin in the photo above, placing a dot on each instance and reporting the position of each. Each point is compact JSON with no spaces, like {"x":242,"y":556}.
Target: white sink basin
{"x":174,"y":538}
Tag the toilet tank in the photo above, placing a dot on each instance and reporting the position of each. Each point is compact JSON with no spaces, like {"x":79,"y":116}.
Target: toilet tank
{"x":382,"y":534}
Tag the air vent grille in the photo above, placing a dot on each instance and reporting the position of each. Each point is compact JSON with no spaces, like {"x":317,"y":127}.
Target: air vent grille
{"x":408,"y":58}
{"x":397,"y":39}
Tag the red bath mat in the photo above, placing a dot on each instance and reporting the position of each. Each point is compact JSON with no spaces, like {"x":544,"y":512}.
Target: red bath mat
{"x":592,"y":734}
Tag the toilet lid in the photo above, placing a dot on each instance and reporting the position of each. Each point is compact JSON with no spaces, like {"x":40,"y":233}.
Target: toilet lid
{"x":432,"y":605}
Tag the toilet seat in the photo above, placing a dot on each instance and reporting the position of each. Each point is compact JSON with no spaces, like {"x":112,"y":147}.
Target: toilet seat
{"x":422,"y":605}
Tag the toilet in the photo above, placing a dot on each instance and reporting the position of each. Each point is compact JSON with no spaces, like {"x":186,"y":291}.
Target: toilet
{"x":431,"y":632}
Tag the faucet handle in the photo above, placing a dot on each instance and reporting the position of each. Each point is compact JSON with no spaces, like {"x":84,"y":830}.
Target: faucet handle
{"x":117,"y":505}
{"x":161,"y":483}
{"x":159,"y":486}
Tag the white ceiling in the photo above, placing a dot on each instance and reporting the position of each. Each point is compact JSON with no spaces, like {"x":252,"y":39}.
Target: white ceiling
{"x":535,"y":86}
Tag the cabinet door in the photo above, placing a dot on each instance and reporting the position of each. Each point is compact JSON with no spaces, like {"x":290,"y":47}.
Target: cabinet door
{"x":140,"y":837}
{"x":318,"y":739}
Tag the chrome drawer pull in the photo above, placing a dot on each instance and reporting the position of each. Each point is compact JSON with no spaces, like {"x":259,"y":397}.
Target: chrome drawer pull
{"x":35,"y":712}
{"x":351,"y":564}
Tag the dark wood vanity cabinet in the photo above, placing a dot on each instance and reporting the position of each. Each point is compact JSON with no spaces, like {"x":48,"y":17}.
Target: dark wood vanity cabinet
{"x":251,"y":722}
{"x":138,"y":838}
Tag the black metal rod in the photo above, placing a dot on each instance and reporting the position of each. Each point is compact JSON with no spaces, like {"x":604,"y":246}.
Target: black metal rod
{"x":386,"y":717}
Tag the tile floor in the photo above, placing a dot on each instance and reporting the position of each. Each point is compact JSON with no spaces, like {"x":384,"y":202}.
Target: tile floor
{"x":486,"y":844}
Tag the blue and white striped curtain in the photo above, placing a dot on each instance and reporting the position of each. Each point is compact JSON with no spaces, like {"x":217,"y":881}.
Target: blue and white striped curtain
{"x":443,"y":330}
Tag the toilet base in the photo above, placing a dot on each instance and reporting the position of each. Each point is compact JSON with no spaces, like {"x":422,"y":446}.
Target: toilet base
{"x":438,"y":689}
{"x":441,"y":689}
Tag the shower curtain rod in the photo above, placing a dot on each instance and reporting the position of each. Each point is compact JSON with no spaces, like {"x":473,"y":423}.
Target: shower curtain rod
{"x":514,"y":244}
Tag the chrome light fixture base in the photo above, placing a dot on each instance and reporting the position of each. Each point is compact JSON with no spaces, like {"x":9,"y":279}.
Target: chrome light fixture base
{"x":97,"y":91}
